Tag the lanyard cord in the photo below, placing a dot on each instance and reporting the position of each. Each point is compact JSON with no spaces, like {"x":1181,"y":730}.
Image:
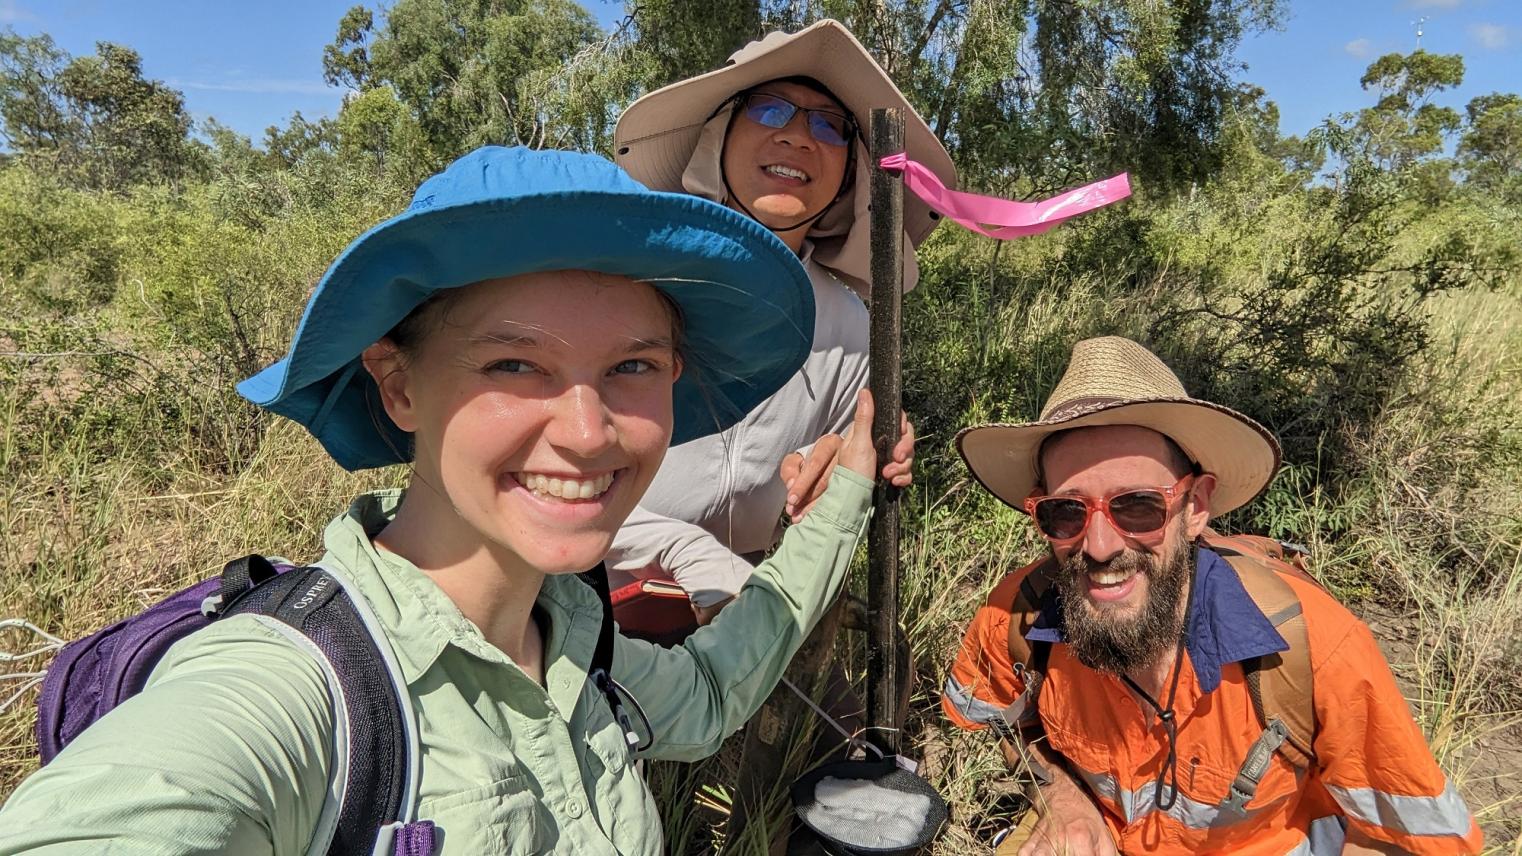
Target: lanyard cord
{"x":1166,"y":717}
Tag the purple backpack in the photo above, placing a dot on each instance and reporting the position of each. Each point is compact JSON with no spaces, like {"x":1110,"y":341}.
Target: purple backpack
{"x":90,"y":676}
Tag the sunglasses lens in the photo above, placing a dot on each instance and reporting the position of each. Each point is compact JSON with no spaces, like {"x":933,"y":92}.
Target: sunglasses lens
{"x":1060,"y":518}
{"x":1140,"y":511}
{"x":769,"y":111}
{"x":828,"y":128}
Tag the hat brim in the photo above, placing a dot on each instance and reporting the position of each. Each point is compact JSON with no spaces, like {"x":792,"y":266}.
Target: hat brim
{"x":748,"y":315}
{"x":657,"y":134}
{"x":1241,"y":454}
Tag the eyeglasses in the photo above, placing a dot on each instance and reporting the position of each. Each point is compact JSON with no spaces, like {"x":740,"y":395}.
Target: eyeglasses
{"x":773,"y":111}
{"x":1137,"y":513}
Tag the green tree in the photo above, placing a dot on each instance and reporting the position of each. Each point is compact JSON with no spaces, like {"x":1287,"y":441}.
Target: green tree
{"x":1404,"y":126}
{"x":482,"y":71}
{"x":299,"y":139}
{"x":683,"y":38}
{"x":32,"y":109}
{"x":96,"y":119}
{"x":135,"y":130}
{"x":1030,"y":95}
{"x":346,"y":62}
{"x":1491,"y":147}
{"x":377,"y":133}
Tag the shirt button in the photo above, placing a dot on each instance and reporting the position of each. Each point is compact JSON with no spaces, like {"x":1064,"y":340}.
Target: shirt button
{"x":573,"y":808}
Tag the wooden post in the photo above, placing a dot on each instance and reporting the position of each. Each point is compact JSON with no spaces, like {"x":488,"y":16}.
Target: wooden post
{"x":887,"y":393}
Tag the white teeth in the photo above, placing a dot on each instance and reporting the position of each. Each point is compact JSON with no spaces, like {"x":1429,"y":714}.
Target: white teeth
{"x":787,"y":172}
{"x":1109,"y":578}
{"x":562,"y":488}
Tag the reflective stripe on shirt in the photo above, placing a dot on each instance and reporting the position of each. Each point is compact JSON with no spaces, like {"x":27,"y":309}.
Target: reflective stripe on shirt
{"x":969,"y":705}
{"x":1326,"y":839}
{"x":1136,"y":804}
{"x":1444,"y":814}
{"x":1328,"y":835}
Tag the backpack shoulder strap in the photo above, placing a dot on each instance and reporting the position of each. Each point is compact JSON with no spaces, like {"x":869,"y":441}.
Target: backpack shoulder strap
{"x":1280,"y":684}
{"x":1030,"y":598}
{"x":1029,"y":656}
{"x":377,"y":734}
{"x":601,"y":668}
{"x":1284,"y":556}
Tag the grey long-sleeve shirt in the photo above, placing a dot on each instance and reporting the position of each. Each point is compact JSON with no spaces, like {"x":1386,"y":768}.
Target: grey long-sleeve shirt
{"x":717,"y":502}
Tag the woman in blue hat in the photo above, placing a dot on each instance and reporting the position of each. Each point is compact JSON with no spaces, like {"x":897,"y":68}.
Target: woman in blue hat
{"x":530,"y":335}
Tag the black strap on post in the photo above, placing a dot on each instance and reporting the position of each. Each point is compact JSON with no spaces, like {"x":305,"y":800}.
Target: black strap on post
{"x":886,"y":360}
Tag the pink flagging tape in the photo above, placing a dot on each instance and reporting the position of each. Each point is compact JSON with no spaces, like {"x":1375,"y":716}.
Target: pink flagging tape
{"x":1005,"y":219}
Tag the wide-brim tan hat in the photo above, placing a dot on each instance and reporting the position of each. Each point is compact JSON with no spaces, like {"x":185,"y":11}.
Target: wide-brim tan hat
{"x":1115,"y":381}
{"x":657,"y":140}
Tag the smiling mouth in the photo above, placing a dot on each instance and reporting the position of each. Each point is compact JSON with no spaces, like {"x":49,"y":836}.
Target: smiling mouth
{"x":785,"y":172}
{"x":1111,"y":577}
{"x":565,"y":489}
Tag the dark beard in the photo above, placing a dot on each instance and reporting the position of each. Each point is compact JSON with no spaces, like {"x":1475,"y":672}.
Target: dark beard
{"x":1119,"y":646}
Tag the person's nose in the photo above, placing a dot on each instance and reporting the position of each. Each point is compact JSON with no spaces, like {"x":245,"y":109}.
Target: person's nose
{"x":1102,"y":541}
{"x":796,"y":132}
{"x":581,"y":423}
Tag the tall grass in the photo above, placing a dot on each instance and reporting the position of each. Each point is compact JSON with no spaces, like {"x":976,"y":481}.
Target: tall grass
{"x":128,"y":467}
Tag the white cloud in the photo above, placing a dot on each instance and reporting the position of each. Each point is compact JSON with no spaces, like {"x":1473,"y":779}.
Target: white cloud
{"x":259,"y":86}
{"x":1433,"y":4}
{"x":1490,"y":36}
{"x":12,"y":13}
{"x":1359,"y":48}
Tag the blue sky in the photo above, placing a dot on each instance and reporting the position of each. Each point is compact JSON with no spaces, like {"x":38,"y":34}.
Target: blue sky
{"x":252,"y":64}
{"x":1311,"y":67}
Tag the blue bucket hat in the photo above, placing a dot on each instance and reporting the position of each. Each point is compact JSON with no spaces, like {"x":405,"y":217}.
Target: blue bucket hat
{"x":746,"y":302}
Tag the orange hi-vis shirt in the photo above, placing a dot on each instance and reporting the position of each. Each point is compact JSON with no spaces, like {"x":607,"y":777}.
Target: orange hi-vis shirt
{"x":1372,"y":768}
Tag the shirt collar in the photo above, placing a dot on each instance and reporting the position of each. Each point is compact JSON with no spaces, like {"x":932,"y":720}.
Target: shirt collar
{"x":420,"y":620}
{"x":1224,"y":625}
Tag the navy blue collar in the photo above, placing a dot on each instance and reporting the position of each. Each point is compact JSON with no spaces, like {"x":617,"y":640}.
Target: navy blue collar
{"x":1225,"y":625}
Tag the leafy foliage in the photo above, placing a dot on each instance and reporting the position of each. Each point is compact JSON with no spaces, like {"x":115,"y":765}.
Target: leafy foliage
{"x":683,"y":38}
{"x":1491,"y":147}
{"x":1404,"y":125}
{"x":472,"y":72}
{"x":94,"y":119}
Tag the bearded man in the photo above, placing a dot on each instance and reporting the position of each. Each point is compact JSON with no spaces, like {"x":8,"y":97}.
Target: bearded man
{"x":1136,"y":675}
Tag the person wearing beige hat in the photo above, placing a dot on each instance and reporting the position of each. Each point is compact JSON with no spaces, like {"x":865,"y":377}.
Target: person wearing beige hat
{"x":775,"y":134}
{"x":1171,"y":690}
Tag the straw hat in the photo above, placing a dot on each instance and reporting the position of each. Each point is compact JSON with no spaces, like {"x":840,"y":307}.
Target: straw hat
{"x":1115,"y":381}
{"x":672,"y":140}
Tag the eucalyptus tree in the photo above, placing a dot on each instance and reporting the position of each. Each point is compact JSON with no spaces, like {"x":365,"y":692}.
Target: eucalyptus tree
{"x":95,"y":120}
{"x":511,"y":72}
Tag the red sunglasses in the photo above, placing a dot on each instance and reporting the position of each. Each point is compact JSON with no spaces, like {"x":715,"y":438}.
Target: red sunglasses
{"x":1133,"y":512}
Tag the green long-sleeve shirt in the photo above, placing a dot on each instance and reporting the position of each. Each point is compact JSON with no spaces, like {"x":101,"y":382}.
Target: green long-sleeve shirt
{"x":228,"y":750}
